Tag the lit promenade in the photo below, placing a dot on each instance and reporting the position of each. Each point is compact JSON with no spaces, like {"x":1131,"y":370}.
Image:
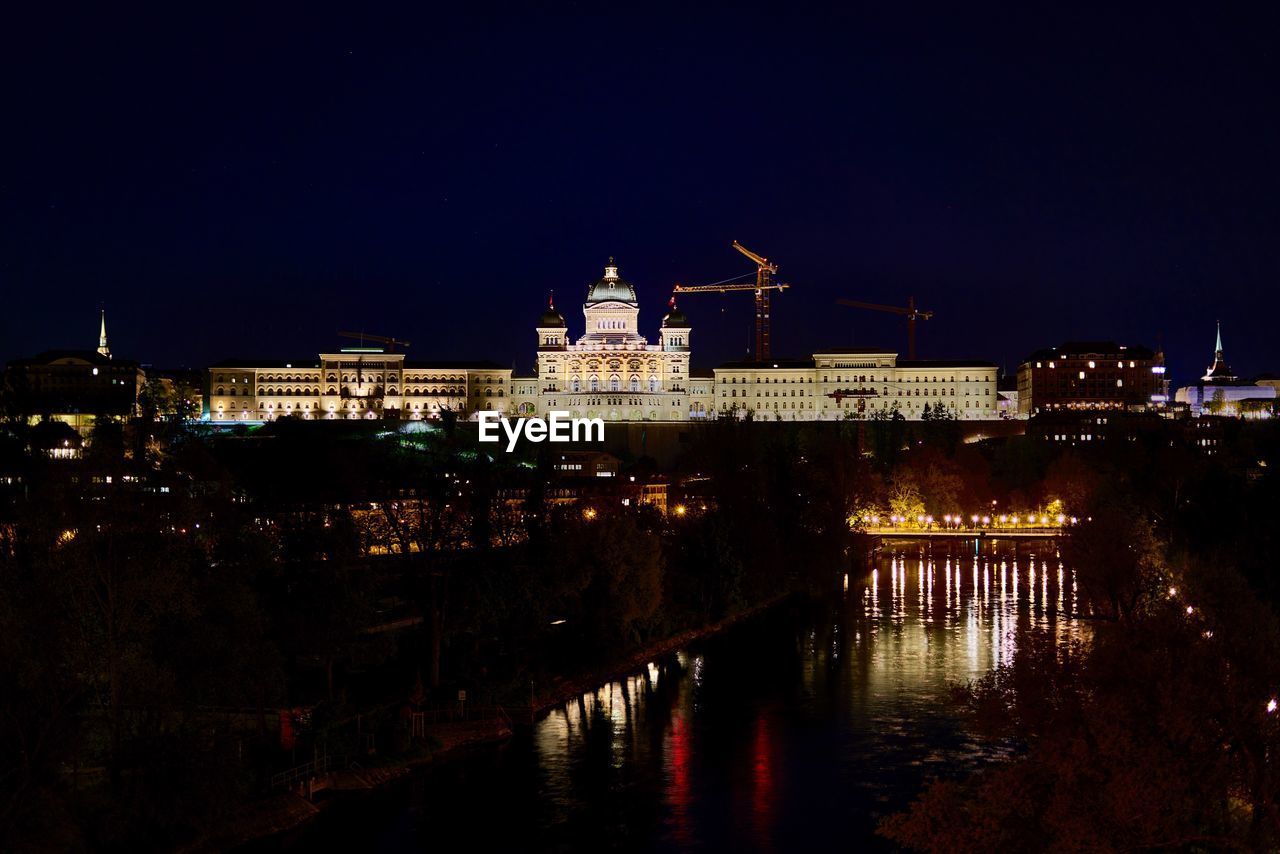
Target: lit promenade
{"x":894,"y":532}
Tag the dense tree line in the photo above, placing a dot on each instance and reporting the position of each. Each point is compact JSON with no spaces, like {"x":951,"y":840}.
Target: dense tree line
{"x":1161,"y":732}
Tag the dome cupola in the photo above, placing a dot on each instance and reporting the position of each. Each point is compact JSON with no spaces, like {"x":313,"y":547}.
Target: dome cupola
{"x":611,"y":288}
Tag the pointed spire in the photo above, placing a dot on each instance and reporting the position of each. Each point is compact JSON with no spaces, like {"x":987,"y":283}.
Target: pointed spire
{"x":103,"y":349}
{"x":551,"y":299}
{"x":1219,"y":371}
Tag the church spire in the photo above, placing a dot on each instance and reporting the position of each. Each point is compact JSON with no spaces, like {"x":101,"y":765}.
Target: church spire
{"x":1219,"y":371}
{"x":103,"y":349}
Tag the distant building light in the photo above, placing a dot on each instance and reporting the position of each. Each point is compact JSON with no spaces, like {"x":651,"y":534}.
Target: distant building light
{"x":1155,"y":369}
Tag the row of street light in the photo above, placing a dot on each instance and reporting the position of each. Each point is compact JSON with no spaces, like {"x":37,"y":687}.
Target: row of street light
{"x":974,"y":520}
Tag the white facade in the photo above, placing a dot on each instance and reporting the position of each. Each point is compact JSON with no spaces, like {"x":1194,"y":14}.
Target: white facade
{"x":852,"y":383}
{"x":354,"y":384}
{"x":1234,"y":401}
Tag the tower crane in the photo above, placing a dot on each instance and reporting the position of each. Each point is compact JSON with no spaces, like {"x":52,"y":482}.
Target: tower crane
{"x":389,"y":343}
{"x":909,"y":311}
{"x":763,"y":287}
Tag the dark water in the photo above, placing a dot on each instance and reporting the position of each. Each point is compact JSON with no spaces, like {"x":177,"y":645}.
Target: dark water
{"x":799,"y":730}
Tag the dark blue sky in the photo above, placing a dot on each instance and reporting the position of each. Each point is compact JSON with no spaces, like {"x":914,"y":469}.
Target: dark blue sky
{"x":244,"y":185}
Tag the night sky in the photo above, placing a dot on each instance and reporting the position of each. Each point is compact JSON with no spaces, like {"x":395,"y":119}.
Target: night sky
{"x":242,"y":186}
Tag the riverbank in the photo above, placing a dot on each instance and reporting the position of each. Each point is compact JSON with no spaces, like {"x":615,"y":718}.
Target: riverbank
{"x":565,"y":689}
{"x":285,"y":812}
{"x":281,"y":813}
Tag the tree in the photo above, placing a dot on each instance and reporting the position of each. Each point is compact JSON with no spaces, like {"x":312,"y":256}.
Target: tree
{"x":1117,"y":559}
{"x":1217,"y":403}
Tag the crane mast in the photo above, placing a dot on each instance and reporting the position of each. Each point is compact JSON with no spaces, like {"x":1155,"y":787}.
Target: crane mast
{"x":763,"y":287}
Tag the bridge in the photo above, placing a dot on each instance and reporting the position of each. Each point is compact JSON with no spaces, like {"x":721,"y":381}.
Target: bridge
{"x":894,"y":532}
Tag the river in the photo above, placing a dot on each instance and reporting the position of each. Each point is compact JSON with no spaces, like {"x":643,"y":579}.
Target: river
{"x":795,"y":731}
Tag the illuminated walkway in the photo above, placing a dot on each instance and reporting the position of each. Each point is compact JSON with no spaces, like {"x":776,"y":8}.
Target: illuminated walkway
{"x":896,"y":533}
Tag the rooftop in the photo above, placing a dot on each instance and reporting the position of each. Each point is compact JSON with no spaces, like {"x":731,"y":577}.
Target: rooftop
{"x":1069,"y":349}
{"x":611,"y":288}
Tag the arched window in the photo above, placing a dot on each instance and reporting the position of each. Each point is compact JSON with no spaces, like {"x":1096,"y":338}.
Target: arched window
{"x":615,"y":383}
{"x":594,"y":383}
{"x":653,"y":383}
{"x":575,"y":385}
{"x":634,"y":384}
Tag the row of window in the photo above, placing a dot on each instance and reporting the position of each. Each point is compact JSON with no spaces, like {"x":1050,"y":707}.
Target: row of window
{"x":861,"y":378}
{"x":928,"y":392}
{"x":455,"y":391}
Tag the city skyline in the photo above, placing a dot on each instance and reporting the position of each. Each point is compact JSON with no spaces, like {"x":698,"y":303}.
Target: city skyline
{"x":254,"y":192}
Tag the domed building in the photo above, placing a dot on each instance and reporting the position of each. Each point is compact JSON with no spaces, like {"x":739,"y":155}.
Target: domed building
{"x":611,"y":371}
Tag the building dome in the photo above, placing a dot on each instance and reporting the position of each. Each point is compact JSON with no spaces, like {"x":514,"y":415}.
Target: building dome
{"x":551,"y":317}
{"x":674,"y":318}
{"x":612,"y":287}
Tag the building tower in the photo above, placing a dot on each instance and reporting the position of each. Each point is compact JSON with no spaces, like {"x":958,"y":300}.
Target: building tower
{"x":675,"y":329}
{"x":612,"y":313}
{"x":552,"y":334}
{"x":103,"y":349}
{"x":1219,"y":372}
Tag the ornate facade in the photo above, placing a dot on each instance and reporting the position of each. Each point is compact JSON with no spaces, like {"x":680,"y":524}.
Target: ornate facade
{"x":611,"y":371}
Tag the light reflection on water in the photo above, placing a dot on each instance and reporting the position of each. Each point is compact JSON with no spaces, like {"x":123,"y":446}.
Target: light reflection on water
{"x":795,"y":731}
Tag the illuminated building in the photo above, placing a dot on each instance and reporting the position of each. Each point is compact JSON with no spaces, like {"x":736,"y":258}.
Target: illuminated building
{"x":614,"y":372}
{"x":1091,"y":375}
{"x":75,"y":386}
{"x":853,"y":383}
{"x":356,"y":383}
{"x":611,"y":371}
{"x":1220,"y":391}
